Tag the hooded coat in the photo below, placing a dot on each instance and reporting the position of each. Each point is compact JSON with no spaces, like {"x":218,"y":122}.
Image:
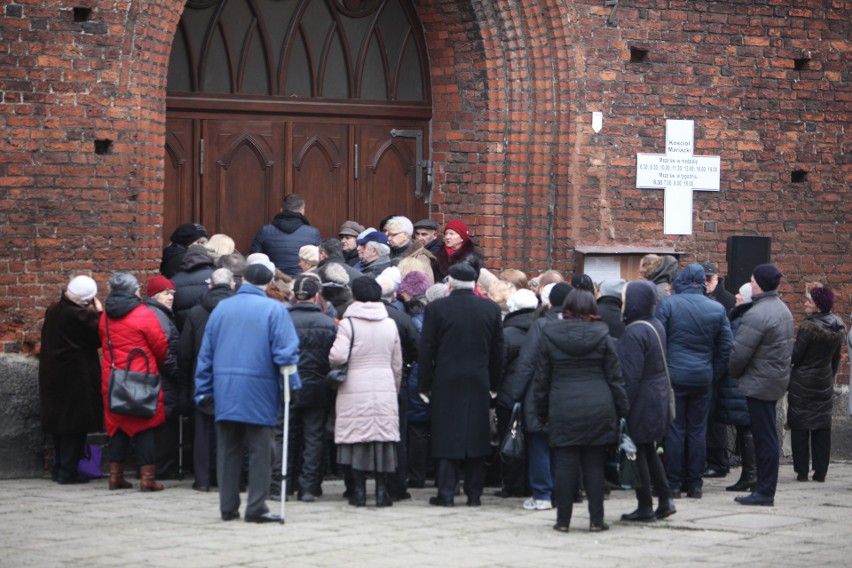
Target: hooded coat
{"x":662,"y":274}
{"x":191,"y":283}
{"x":699,"y":334}
{"x":282,"y":239}
{"x":578,"y":390}
{"x":515,"y":327}
{"x":643,"y":364}
{"x":366,"y":408}
{"x":131,"y":325}
{"x":609,"y":308}
{"x":69,"y":372}
{"x":316,"y":332}
{"x":816,"y":358}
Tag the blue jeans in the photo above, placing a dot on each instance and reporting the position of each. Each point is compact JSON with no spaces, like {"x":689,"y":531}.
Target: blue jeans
{"x":541,"y":472}
{"x":686,"y":443}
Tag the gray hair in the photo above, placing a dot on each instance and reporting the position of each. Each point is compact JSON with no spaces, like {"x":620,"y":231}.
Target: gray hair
{"x":333,"y":272}
{"x":400,"y":224}
{"x":388,"y":287}
{"x":123,"y":282}
{"x":436,"y":292}
{"x":235,"y":262}
{"x":221,"y":276}
{"x":382,"y":250}
{"x":460,"y":284}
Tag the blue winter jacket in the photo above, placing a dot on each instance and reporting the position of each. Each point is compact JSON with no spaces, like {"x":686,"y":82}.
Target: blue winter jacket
{"x":698,"y":332}
{"x":282,"y":239}
{"x":247,"y":338}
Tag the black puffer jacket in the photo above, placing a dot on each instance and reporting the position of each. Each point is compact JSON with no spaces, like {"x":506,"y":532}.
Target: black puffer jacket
{"x":578,"y":390}
{"x":816,"y":357}
{"x":193,"y":330}
{"x":515,"y":327}
{"x":518,"y":385}
{"x":609,"y":308}
{"x":282,"y":239}
{"x":731,"y":406}
{"x":191,"y":283}
{"x":316,"y":332}
{"x":170,"y":378}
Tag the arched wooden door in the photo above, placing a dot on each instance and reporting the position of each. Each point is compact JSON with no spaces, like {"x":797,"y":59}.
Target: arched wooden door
{"x":317,"y":97}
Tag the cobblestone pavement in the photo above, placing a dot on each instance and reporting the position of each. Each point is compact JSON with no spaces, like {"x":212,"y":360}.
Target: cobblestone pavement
{"x":45,"y":524}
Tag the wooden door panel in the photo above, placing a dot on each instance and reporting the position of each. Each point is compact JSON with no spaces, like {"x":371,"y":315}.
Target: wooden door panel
{"x":179,"y":189}
{"x":387,"y":175}
{"x":320,"y":172}
{"x":242,"y":182}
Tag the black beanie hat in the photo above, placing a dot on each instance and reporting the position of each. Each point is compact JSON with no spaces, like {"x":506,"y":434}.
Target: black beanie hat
{"x":767,"y":277}
{"x":258,"y":275}
{"x":188,"y":233}
{"x":366,"y":289}
{"x":559,"y":292}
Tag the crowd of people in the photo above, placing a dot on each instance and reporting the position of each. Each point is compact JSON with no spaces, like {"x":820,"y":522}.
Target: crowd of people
{"x":438,"y":349}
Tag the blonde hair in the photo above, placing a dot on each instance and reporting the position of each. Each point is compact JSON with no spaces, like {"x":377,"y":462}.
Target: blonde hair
{"x":500,"y":291}
{"x":515,"y":277}
{"x":416,"y":264}
{"x":220,"y":245}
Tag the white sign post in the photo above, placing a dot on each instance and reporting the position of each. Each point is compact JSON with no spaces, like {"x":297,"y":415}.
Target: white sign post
{"x":678,"y":172}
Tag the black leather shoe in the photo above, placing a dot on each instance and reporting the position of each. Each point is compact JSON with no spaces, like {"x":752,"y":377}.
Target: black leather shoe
{"x":474,"y":502}
{"x":598,"y":527}
{"x":404,"y":496}
{"x":819,"y":478}
{"x":75,"y":480}
{"x":202,"y":488}
{"x":561,"y":527}
{"x":265,"y":518}
{"x":694,"y":493}
{"x":640,"y":516}
{"x":438,"y":502}
{"x":802,"y":477}
{"x":666,"y":509}
{"x":676,"y":494}
{"x":713,"y":472}
{"x":307,"y":498}
{"x":230,"y":515}
{"x":755,"y":499}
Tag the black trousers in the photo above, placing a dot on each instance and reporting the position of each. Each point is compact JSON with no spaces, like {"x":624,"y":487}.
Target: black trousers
{"x":204,"y":450}
{"x":447,"y":477}
{"x":651,"y":474}
{"x":717,"y":438}
{"x":166,"y":447}
{"x":397,"y":480}
{"x":568,"y":463}
{"x":120,"y":443}
{"x":766,"y":450}
{"x":807,"y":444}
{"x":68,"y":448}
{"x":232,"y":438}
{"x":418,"y":453}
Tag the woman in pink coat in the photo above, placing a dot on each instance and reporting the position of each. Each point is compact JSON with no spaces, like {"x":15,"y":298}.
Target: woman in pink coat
{"x":367,"y":414}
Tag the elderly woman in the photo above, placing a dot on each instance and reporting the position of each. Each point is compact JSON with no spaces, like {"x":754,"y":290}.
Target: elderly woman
{"x":579,"y":393}
{"x":816,"y":357}
{"x":69,"y":375}
{"x":367,"y":413}
{"x":458,"y":246}
{"x":643,"y":363}
{"x":128,"y":325}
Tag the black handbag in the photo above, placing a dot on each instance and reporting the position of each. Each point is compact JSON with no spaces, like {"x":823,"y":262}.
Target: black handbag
{"x":620,"y":468}
{"x":132,"y":393}
{"x":337,"y":375}
{"x":513,"y":447}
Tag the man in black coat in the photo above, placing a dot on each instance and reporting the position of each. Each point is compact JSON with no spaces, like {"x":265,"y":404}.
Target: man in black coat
{"x":221,"y":287}
{"x":461,"y":361}
{"x":182,"y":238}
{"x":288,"y":232}
{"x":191,"y":282}
{"x":316,"y":332}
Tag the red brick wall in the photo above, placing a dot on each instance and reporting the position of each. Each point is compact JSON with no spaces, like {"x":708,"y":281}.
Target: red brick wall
{"x":514,"y":85}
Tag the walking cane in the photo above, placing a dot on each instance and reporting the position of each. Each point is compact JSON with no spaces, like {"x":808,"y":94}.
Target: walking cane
{"x":286,"y":375}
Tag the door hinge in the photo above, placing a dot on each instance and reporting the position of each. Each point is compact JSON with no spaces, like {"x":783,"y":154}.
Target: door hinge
{"x":423,"y":166}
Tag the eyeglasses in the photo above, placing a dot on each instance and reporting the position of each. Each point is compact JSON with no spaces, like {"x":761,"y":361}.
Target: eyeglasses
{"x":392,"y":235}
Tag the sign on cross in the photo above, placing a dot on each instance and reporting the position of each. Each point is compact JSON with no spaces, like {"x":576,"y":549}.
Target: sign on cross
{"x":678,"y":172}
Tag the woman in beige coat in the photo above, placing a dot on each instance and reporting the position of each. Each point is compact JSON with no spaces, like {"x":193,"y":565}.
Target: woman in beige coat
{"x":367,"y":414}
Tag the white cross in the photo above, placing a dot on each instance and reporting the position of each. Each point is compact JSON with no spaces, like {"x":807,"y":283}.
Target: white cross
{"x":679,"y":173}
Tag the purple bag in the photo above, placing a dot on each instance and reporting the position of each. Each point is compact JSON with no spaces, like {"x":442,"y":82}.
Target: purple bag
{"x":90,"y":462}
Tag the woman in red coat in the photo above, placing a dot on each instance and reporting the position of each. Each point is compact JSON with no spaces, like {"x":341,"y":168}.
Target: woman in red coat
{"x":131,"y":325}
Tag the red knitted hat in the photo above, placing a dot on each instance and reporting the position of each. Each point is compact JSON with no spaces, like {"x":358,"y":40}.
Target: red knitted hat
{"x":459,"y":227}
{"x":157,"y":284}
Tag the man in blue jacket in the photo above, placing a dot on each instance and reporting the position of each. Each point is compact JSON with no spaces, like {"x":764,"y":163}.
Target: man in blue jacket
{"x":249,"y":343}
{"x":698,"y":346}
{"x":288,"y":232}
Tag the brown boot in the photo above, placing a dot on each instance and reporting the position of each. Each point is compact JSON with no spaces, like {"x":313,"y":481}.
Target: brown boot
{"x":148,"y":482}
{"x":116,"y":477}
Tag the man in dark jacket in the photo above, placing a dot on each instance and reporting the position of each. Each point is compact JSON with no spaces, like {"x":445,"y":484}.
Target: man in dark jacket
{"x":461,"y":360}
{"x":191,"y":282}
{"x":182,"y":238}
{"x":426,"y":231}
{"x":222,"y":286}
{"x":698,"y":337}
{"x":288,"y":232}
{"x":331,"y":252}
{"x":373,"y":250}
{"x":609,"y":305}
{"x":518,"y":388}
{"x":347,"y":235}
{"x":717,"y":434}
{"x":760,"y":361}
{"x":316,"y":333}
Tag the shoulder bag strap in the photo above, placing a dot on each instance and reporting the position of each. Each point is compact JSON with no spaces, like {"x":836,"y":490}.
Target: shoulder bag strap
{"x":109,"y":341}
{"x":351,"y":338}
{"x":660,"y":343}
